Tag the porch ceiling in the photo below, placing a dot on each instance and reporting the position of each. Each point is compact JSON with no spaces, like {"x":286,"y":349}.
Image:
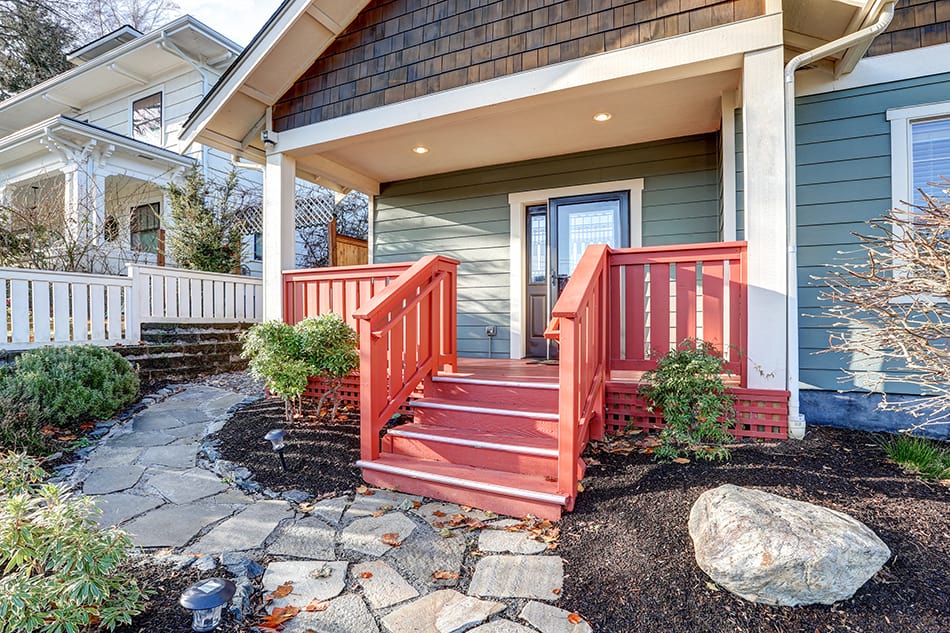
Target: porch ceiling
{"x":537,"y":127}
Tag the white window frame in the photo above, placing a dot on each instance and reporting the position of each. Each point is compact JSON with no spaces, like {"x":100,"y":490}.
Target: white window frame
{"x":518,"y":206}
{"x":155,"y":90}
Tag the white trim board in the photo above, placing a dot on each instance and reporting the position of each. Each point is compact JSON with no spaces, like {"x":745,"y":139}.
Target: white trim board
{"x":518,"y":203}
{"x":901,"y":120}
{"x":920,"y":62}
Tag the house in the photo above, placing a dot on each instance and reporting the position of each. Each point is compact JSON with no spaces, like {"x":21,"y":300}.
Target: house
{"x":101,"y":141}
{"x":500,"y":140}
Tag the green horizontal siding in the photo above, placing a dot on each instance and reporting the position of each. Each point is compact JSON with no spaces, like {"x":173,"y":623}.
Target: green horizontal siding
{"x":465,"y":215}
{"x":844,"y":179}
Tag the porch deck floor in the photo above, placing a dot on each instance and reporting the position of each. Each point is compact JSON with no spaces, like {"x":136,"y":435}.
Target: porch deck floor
{"x":506,"y":369}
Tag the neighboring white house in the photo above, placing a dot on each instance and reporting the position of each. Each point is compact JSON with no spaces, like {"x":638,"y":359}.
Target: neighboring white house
{"x":103,"y":138}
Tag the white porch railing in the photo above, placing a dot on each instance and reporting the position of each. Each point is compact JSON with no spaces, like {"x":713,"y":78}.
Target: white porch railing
{"x":53,"y":308}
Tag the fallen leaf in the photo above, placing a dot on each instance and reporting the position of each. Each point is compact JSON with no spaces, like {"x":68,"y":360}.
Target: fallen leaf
{"x":712,"y":586}
{"x":317,"y":605}
{"x":363,"y":490}
{"x":283,"y":590}
{"x":466,"y":508}
{"x":574,"y":618}
{"x":378,"y":513}
{"x":66,"y":438}
{"x":556,"y":592}
{"x":366,"y":574}
{"x":438,"y":513}
{"x":681,"y":460}
{"x":446,"y":533}
{"x":416,"y":505}
{"x":580,"y":487}
{"x":278,"y":617}
{"x":391,"y":538}
{"x":88,"y":426}
{"x":305,"y":508}
{"x":444,"y":575}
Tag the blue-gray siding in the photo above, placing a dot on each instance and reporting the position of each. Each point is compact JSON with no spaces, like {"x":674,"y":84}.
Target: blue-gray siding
{"x":844,"y":180}
{"x":465,"y":215}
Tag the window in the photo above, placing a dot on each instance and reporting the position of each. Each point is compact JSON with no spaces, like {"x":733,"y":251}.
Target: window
{"x":920,"y":150}
{"x":258,"y":247}
{"x":145,"y":225}
{"x":147,"y":119}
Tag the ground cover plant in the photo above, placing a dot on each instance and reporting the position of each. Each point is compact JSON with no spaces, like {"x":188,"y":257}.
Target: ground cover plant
{"x":50,"y":395}
{"x":59,"y":570}
{"x":918,"y":455}
{"x":698,"y":411}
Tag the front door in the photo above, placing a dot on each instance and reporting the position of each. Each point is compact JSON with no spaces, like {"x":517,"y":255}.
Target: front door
{"x":558,"y":234}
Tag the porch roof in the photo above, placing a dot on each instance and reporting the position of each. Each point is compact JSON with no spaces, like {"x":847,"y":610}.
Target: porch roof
{"x":504,"y":121}
{"x":70,"y":136}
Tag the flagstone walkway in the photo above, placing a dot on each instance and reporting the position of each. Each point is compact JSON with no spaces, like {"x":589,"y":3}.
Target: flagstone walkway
{"x":370,"y":561}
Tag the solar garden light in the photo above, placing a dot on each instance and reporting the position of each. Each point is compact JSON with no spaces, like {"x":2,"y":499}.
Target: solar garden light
{"x":276,"y":439}
{"x":205,"y":600}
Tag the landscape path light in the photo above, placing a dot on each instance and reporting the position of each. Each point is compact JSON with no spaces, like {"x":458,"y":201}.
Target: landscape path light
{"x":276,"y":439}
{"x":206,"y":599}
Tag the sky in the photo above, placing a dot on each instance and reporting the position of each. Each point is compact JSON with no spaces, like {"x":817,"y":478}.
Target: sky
{"x":236,"y":19}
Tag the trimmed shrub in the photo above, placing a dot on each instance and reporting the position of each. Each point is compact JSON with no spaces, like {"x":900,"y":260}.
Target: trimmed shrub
{"x":59,"y":570}
{"x":75,"y":384}
{"x":20,"y":418}
{"x":329,"y":346}
{"x":274,"y":355}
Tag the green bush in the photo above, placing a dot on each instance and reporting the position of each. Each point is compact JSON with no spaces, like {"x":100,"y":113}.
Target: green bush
{"x":285,"y":356}
{"x":60,"y":573}
{"x":688,"y":389}
{"x":75,"y":384}
{"x":20,"y":419}
{"x":918,"y":455}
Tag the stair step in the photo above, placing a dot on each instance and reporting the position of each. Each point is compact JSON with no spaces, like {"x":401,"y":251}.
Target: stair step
{"x":502,"y":492}
{"x":509,"y":394}
{"x":448,"y":405}
{"x":473,"y":438}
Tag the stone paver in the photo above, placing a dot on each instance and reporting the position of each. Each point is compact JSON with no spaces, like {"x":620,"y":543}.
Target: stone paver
{"x":307,"y":538}
{"x":444,"y":611}
{"x":346,"y":614}
{"x":538,"y":577}
{"x":246,"y":530}
{"x":379,"y":501}
{"x":141,"y":440}
{"x":102,"y":481}
{"x":189,"y":432}
{"x":499,"y":540}
{"x":425,"y":553}
{"x":365,"y":535}
{"x":330,"y":510}
{"x":231,"y":496}
{"x":173,"y":456}
{"x":501,"y":626}
{"x":437,"y":514}
{"x":174,"y":525}
{"x":550,"y":619}
{"x":382,"y":585}
{"x":167,"y":419}
{"x":187,"y":486}
{"x":107,"y":455}
{"x":312,"y":580}
{"x":122,"y":506}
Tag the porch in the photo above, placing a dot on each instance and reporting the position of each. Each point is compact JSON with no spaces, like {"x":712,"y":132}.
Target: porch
{"x":508,"y":434}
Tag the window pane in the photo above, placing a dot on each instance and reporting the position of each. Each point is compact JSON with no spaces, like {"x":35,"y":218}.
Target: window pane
{"x":144,"y":227}
{"x":931,"y":156}
{"x":583,"y":224}
{"x":258,"y":247}
{"x":147,"y":119}
{"x":538,"y":257}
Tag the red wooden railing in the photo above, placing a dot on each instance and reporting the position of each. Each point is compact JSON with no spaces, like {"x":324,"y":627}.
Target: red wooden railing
{"x":344,"y":289}
{"x":408,"y":332}
{"x":579,"y":324}
{"x":661,"y":296}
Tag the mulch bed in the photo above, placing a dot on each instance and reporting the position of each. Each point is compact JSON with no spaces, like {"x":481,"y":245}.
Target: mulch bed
{"x":165,"y":585}
{"x":630,"y":561}
{"x":321,"y":455}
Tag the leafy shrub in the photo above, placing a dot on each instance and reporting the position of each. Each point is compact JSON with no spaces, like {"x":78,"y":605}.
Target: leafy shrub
{"x":59,"y":571}
{"x":75,"y":384}
{"x":687,"y":388}
{"x":20,"y":418}
{"x":329,"y":346}
{"x":285,"y":356}
{"x":919,"y":455}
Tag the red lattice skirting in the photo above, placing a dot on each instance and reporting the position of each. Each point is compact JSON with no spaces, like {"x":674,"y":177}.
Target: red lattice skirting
{"x":349,"y":392}
{"x":760,"y":413}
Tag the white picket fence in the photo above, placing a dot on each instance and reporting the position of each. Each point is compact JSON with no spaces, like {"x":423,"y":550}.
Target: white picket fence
{"x":53,"y":308}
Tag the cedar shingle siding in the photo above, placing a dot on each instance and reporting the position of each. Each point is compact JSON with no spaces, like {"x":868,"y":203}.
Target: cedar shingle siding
{"x":400,"y":49}
{"x":916,"y":24}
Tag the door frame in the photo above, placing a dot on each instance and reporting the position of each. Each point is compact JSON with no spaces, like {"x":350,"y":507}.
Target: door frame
{"x":519,"y":203}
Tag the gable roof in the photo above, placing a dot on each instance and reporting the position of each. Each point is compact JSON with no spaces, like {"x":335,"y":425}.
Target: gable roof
{"x":294,"y":37}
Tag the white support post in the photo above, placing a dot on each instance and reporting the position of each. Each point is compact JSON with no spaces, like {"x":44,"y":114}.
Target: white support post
{"x":763,"y":125}
{"x":278,"y":216}
{"x":728,"y":166}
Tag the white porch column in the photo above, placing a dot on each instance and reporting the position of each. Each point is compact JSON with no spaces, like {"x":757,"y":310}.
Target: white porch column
{"x":278,"y":216}
{"x":75,"y":201}
{"x":763,"y":126}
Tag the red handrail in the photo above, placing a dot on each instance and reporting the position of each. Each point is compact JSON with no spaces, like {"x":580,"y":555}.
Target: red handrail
{"x":407,"y":333}
{"x":341,"y":289}
{"x":579,"y":324}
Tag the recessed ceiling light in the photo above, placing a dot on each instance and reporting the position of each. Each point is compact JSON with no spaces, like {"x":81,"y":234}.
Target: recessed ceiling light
{"x":420,"y":149}
{"x":600,"y":117}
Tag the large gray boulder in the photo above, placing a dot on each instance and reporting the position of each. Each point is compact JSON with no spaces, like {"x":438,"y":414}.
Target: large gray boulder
{"x":769,"y":549}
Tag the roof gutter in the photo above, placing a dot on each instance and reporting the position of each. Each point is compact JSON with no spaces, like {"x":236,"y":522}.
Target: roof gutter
{"x":796,"y":422}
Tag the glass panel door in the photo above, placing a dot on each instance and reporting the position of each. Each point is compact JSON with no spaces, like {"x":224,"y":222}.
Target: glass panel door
{"x":579,"y":222}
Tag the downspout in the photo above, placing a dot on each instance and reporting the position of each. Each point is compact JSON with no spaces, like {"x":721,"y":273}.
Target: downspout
{"x":796,"y":422}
